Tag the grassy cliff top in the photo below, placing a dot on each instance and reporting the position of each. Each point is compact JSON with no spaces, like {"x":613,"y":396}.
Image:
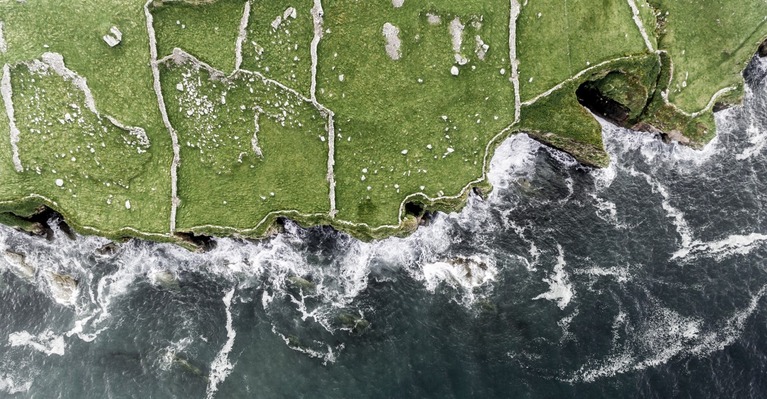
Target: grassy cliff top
{"x":162,"y":119}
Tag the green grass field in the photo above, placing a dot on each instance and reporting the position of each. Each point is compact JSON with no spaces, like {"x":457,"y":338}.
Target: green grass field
{"x":419,"y":95}
{"x":559,"y":38}
{"x":207,"y":31}
{"x":121,"y":83}
{"x":280,"y":53}
{"x":407,"y":126}
{"x":223,"y":181}
{"x":709,"y":42}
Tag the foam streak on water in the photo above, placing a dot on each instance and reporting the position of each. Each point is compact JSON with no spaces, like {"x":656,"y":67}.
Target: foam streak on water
{"x":221,"y":366}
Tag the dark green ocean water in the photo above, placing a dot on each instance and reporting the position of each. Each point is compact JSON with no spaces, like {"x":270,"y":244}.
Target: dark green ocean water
{"x":645,"y":279}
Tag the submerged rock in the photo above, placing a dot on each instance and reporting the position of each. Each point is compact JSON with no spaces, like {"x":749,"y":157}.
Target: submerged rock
{"x":188,"y":366}
{"x":464,"y":272}
{"x":302,"y":283}
{"x":165,"y":279}
{"x":108,"y":249}
{"x":63,"y":288}
{"x":19,"y":266}
{"x":354,"y":323}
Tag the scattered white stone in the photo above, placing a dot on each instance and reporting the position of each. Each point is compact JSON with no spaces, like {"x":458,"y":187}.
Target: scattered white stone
{"x":277,"y":22}
{"x":127,"y":204}
{"x":341,"y":77}
{"x":370,"y":188}
{"x":397,"y":3}
{"x":433,"y":19}
{"x":3,"y":45}
{"x":365,"y":170}
{"x":289,"y":12}
{"x":111,"y":41}
{"x":59,"y":182}
{"x":454,"y":70}
{"x":429,"y":146}
{"x":116,"y":33}
{"x":503,"y":71}
{"x":393,"y":43}
{"x":114,"y":37}
{"x":482,"y":48}
{"x":404,"y":152}
{"x":456,"y":34}
{"x":363,"y":178}
{"x":180,"y":86}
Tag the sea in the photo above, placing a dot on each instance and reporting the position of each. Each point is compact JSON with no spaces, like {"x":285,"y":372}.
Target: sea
{"x":647,"y":278}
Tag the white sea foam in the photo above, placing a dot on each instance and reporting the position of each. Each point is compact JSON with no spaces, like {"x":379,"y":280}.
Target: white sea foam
{"x":664,"y":335}
{"x":560,"y":290}
{"x":11,"y":385}
{"x":564,"y":324}
{"x":221,"y":366}
{"x":514,"y":158}
{"x":621,"y":143}
{"x":461,"y":273}
{"x":620,"y":274}
{"x":46,"y":342}
{"x":607,"y":211}
{"x":676,"y":215}
{"x":757,"y":138}
{"x":328,"y":356}
{"x":170,"y":353}
{"x":735,"y":244}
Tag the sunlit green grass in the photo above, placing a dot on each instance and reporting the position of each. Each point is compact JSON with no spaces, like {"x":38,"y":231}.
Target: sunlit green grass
{"x":386,"y":107}
{"x":710,"y":42}
{"x":402,"y":126}
{"x":208,"y":31}
{"x":222,"y":180}
{"x":556,"y":39}
{"x":282,"y":53}
{"x":121,"y":83}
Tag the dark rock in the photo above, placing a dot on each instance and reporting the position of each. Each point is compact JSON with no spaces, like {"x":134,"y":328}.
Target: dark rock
{"x":355,"y":323}
{"x":108,"y":249}
{"x":721,"y":106}
{"x":590,"y":97}
{"x":479,"y":192}
{"x":203,"y":243}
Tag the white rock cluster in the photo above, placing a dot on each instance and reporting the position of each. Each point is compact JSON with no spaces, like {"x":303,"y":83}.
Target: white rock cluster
{"x":114,"y":37}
